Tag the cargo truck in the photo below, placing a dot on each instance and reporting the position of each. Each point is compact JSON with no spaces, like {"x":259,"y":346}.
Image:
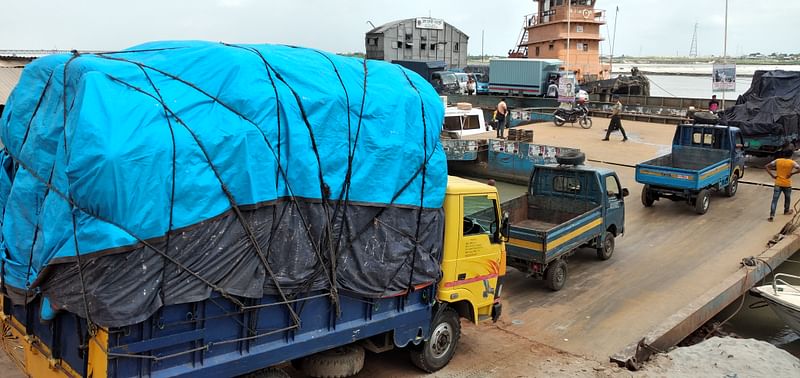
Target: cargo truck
{"x":522,"y":77}
{"x":202,"y":209}
{"x":704,"y":159}
{"x":567,"y":206}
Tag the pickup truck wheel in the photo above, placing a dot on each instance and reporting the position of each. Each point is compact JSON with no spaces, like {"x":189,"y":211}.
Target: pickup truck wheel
{"x":647,"y":196}
{"x":344,"y":361}
{"x":702,"y":202}
{"x":556,"y":275}
{"x":606,"y":247}
{"x":730,"y":190}
{"x":436,"y":352}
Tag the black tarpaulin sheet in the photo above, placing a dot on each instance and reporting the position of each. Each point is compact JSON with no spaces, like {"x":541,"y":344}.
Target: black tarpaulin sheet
{"x":770,"y":107}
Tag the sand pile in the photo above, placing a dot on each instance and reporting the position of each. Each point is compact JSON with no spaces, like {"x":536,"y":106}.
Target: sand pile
{"x":725,"y":357}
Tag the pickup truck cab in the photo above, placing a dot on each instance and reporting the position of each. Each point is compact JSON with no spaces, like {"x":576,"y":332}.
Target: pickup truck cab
{"x":704,"y":159}
{"x":567,"y":207}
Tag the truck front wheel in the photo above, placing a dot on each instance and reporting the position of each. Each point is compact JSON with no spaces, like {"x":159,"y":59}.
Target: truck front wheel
{"x":702,"y":202}
{"x":647,"y":196}
{"x":606,"y":247}
{"x":438,"y":350}
{"x":556,"y":275}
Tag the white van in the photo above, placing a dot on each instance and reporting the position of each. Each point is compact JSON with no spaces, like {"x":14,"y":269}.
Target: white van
{"x":462,"y":82}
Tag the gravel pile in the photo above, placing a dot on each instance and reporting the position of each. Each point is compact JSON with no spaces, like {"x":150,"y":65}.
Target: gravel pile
{"x":725,"y":357}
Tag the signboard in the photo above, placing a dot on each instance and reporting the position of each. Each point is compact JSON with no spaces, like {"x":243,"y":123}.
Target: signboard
{"x":430,"y":23}
{"x":723,"y":78}
{"x":566,"y":87}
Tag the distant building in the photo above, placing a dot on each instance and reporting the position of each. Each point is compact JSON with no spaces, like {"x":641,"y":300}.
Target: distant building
{"x":424,"y":39}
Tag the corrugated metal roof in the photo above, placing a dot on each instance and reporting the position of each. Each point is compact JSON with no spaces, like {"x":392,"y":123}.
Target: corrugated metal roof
{"x":9,"y":76}
{"x":383,"y":28}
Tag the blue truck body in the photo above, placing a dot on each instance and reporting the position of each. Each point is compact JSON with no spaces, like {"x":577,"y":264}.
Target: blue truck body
{"x":213,"y":339}
{"x":704,"y":159}
{"x":566,"y":207}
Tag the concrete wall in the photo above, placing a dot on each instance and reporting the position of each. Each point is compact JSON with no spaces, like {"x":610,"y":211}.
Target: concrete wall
{"x":404,"y":41}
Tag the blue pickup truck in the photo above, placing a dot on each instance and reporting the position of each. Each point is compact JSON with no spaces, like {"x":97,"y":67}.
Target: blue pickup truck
{"x":704,"y":159}
{"x":567,"y":206}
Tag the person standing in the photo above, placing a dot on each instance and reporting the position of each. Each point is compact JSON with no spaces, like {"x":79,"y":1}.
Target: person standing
{"x":502,"y":113}
{"x":471,"y":86}
{"x":784,"y":168}
{"x":713,"y":105}
{"x":616,"y":120}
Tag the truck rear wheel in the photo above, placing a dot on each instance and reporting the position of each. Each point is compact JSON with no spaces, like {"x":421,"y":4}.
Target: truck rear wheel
{"x":344,"y":361}
{"x":438,"y":350}
{"x":702,"y":202}
{"x":556,"y":275}
{"x":733,"y":186}
{"x":606,"y":247}
{"x":647,"y":196}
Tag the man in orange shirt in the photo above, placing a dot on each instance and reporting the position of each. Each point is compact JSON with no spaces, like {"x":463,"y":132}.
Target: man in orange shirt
{"x":784,"y":168}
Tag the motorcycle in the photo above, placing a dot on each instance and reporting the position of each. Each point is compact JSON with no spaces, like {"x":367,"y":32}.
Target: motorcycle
{"x":579,"y":114}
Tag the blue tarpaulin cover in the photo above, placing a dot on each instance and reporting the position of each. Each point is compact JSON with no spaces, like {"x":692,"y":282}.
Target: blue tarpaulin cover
{"x":108,"y":154}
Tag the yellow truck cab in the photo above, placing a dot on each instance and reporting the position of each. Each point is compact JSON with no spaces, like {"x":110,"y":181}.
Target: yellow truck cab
{"x":474,"y":259}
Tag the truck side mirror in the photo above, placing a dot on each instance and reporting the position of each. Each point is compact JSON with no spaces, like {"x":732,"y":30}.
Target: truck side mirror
{"x":625,"y":192}
{"x":504,"y":226}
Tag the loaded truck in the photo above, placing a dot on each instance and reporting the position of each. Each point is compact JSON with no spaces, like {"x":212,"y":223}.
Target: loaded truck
{"x":567,"y":206}
{"x":523,"y":77}
{"x":194,"y":212}
{"x":704,"y":159}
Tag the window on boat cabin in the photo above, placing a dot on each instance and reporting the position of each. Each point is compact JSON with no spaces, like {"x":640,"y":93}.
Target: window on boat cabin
{"x":550,"y":47}
{"x":566,"y":184}
{"x":537,"y":50}
{"x":470,"y":122}
{"x":579,"y":28}
{"x":480,"y":215}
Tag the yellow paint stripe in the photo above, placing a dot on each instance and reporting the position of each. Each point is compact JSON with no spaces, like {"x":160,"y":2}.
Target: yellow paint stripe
{"x":715,"y":171}
{"x":525,"y":244}
{"x":555,"y":243}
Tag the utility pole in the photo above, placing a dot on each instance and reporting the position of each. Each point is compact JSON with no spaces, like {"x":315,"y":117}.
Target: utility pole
{"x":483,"y":57}
{"x":613,"y":40}
{"x":725,"y":49}
{"x":569,"y":29}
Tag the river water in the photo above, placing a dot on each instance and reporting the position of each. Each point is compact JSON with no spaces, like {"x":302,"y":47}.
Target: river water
{"x":694,"y":80}
{"x":757,"y":323}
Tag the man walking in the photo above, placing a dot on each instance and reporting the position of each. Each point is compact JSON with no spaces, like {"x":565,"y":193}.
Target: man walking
{"x":502,"y":112}
{"x":616,"y":122}
{"x":784,"y":168}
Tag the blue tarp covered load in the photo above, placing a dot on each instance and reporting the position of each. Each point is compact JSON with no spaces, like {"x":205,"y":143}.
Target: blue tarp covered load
{"x":173,"y":170}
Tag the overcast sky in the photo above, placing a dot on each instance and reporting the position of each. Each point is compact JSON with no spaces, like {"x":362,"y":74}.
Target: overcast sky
{"x":644,"y":27}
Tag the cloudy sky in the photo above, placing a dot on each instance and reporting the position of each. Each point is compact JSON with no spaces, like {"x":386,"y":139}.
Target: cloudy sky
{"x":644,"y":27}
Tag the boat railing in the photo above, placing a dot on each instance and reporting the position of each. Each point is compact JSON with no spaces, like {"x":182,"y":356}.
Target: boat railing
{"x":778,"y":281}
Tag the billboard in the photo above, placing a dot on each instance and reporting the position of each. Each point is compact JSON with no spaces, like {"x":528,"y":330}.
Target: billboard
{"x":723,"y":78}
{"x":430,"y":23}
{"x":566,"y":87}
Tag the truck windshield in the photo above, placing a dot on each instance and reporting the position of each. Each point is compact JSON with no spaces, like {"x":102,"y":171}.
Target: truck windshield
{"x":448,"y":78}
{"x":479,"y":214}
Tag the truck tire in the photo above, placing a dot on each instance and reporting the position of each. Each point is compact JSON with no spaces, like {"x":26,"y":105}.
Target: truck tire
{"x":606,"y":247}
{"x":702,"y":202}
{"x":436,"y":352}
{"x":571,"y":158}
{"x":647,"y":196}
{"x":733,"y":186}
{"x":344,"y":361}
{"x":556,"y":275}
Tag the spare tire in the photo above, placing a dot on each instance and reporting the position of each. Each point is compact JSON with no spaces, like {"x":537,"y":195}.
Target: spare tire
{"x":571,"y":158}
{"x":706,"y":118}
